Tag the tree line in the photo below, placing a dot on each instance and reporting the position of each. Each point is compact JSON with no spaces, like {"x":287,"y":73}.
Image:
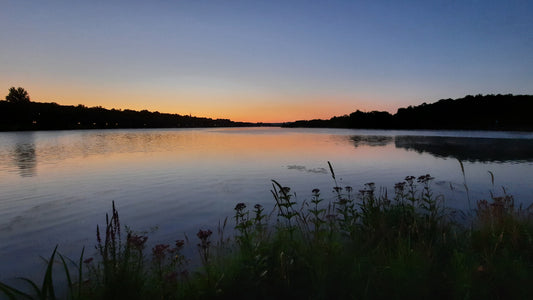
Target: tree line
{"x":480,"y":112}
{"x":17,"y":112}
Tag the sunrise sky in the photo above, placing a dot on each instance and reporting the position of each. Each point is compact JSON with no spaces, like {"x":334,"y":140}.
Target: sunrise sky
{"x":268,"y":61}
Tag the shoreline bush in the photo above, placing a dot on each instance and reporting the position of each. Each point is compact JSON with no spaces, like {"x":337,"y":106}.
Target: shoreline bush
{"x":364,"y":244}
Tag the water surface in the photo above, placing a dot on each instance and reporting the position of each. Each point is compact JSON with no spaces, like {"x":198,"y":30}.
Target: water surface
{"x":56,"y":186}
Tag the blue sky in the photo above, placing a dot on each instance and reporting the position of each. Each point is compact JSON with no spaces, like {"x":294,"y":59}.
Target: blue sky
{"x":265,"y":60}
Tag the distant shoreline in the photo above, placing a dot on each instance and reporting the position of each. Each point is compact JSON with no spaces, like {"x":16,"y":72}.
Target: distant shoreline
{"x":37,"y":116}
{"x":480,"y":112}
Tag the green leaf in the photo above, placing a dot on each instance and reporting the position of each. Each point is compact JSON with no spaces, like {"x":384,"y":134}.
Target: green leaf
{"x":48,"y":283}
{"x":14,"y":293}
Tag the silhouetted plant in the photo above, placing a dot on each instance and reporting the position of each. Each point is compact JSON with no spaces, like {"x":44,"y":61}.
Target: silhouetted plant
{"x":18,"y":95}
{"x":285,"y":204}
{"x":204,"y":246}
{"x":317,"y":213}
{"x":243,"y":223}
{"x":47,"y":289}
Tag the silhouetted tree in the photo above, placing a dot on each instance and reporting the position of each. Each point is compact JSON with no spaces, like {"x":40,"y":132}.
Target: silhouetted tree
{"x":18,"y":95}
{"x":489,"y":112}
{"x":52,"y":116}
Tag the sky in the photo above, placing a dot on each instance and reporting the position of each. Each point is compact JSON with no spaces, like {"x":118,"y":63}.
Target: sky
{"x":264,"y":61}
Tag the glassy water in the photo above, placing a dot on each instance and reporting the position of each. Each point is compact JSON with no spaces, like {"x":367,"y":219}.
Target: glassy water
{"x":56,"y":186}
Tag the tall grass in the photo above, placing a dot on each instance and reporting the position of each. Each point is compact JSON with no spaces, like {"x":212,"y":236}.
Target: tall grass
{"x":363,"y":244}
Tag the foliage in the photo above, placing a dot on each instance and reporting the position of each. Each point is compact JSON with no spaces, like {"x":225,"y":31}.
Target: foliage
{"x":52,"y":116}
{"x":480,"y":112}
{"x":18,"y":95}
{"x":47,"y":289}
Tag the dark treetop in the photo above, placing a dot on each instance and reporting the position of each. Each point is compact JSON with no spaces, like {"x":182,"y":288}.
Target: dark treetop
{"x":17,"y":112}
{"x":52,"y":116}
{"x":489,"y":112}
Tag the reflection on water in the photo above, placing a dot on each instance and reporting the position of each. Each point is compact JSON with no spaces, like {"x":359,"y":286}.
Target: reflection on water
{"x":470,"y":149}
{"x":473,"y":149}
{"x":306,"y":169}
{"x":23,"y":155}
{"x":371,"y":140}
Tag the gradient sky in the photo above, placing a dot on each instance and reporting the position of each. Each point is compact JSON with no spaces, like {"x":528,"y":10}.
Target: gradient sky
{"x":267,"y":61}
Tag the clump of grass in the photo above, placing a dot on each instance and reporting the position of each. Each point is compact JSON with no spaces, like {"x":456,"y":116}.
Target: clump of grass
{"x":119,"y":270}
{"x":364,"y":244}
{"x":47,"y":289}
{"x":502,"y":242}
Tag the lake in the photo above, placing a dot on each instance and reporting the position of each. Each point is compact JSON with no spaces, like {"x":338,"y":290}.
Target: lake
{"x":56,"y":186}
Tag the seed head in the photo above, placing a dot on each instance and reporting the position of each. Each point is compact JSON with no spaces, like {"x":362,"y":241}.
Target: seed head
{"x":204,"y":234}
{"x":180,"y":244}
{"x":240,"y":206}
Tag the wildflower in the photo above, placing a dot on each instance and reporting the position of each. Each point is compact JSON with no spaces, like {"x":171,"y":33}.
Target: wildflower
{"x":424,"y":178}
{"x":315,"y":191}
{"x":348,"y":189}
{"x":180,"y":244}
{"x":370,"y":185}
{"x":399,"y":187}
{"x":337,"y":189}
{"x":203,"y":235}
{"x":483,"y":203}
{"x":258,"y":213}
{"x":88,"y":260}
{"x":286,"y":189}
{"x":137,"y":241}
{"x":240,"y":206}
{"x":159,"y":251}
{"x":204,"y":244}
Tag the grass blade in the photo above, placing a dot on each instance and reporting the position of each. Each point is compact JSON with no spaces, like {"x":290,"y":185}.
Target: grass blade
{"x":35,"y":288}
{"x":48,"y":283}
{"x":80,"y":272}
{"x":333,"y":174}
{"x":465,"y":185}
{"x":331,"y":170}
{"x":491,"y":178}
{"x":67,"y":273}
{"x":462,"y":167}
{"x":277,"y":183}
{"x":13,"y":293}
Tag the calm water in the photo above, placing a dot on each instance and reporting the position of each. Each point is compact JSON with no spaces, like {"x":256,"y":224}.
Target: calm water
{"x":56,"y":186}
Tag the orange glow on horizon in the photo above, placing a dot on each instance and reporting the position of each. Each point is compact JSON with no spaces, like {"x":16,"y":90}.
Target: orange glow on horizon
{"x":273,"y":108}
